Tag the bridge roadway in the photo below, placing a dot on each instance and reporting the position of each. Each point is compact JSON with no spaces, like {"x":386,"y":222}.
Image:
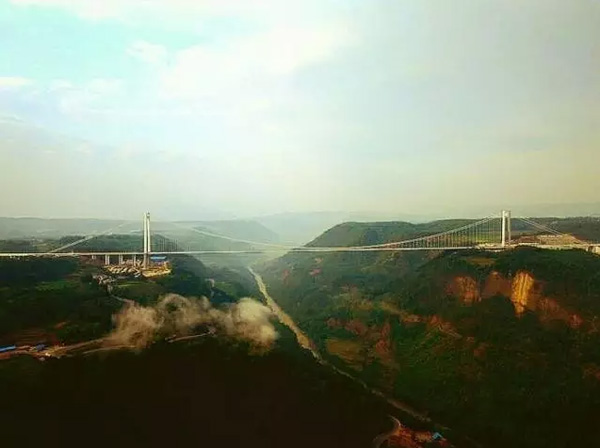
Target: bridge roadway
{"x":209,"y":252}
{"x":493,"y":247}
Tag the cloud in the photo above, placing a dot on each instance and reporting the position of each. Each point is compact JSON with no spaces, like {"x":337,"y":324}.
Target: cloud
{"x":60,"y":84}
{"x":147,"y":52}
{"x":131,"y":10}
{"x":251,"y":63}
{"x":86,"y":9}
{"x":13,"y":82}
{"x":335,"y":104}
{"x":76,"y":99}
{"x":138,"y":326}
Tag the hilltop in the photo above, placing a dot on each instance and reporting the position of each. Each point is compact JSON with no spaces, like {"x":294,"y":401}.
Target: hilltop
{"x":368,"y":233}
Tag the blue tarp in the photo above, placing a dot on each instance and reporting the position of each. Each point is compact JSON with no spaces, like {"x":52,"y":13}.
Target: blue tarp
{"x":8,"y":348}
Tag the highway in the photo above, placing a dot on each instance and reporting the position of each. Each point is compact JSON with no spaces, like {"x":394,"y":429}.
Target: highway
{"x":380,"y":439}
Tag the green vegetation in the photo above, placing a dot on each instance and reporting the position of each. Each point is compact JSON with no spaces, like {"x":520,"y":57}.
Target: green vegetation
{"x":40,"y":293}
{"x":17,"y":246}
{"x":56,"y":299}
{"x":30,"y":271}
{"x":504,"y":380}
{"x":145,"y":292}
{"x":105,"y":243}
{"x":364,"y":234}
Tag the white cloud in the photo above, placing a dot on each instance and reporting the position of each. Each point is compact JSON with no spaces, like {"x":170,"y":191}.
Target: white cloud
{"x":104,"y":86}
{"x":147,"y":52}
{"x":75,"y":99}
{"x":90,"y":9}
{"x":250,"y":63}
{"x":60,"y":84}
{"x":137,"y":9}
{"x":13,"y":82}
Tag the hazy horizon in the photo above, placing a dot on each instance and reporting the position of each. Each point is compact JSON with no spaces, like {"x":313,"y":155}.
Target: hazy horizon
{"x":529,"y":210}
{"x":232,"y":109}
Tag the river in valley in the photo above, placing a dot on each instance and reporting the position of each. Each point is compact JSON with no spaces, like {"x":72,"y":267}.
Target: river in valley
{"x":305,"y":342}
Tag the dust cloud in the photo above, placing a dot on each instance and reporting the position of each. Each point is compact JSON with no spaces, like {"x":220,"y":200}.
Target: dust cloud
{"x":137,"y":326}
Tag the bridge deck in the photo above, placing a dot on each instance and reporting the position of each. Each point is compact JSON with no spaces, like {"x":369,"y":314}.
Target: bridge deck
{"x":297,"y":249}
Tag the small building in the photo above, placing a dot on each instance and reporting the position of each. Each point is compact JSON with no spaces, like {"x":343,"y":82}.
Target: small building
{"x":159,"y":260}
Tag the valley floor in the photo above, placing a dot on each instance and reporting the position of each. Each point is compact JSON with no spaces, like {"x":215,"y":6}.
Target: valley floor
{"x":400,"y":436}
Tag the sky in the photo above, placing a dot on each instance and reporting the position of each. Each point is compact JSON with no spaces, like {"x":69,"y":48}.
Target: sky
{"x":197,"y":109}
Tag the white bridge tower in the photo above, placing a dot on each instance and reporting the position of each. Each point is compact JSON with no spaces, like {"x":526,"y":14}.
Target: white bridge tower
{"x":506,"y":228}
{"x":147,"y":240}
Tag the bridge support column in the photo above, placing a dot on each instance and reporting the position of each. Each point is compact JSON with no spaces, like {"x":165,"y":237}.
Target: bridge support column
{"x":147,"y":240}
{"x":121,"y":259}
{"x":134,"y":259}
{"x":106,"y":259}
{"x":506,"y":228}
{"x":93,"y":257}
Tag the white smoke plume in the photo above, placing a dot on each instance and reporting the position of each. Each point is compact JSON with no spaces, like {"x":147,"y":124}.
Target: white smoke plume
{"x":137,"y":326}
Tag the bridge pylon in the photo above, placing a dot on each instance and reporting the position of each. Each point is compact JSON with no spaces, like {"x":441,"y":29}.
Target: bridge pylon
{"x":506,"y":228}
{"x":147,"y":240}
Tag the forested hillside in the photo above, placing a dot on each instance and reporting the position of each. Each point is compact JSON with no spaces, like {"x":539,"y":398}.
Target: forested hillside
{"x":57,"y":300}
{"x":500,"y":346}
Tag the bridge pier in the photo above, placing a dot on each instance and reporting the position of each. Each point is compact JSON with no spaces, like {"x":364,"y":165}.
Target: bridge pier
{"x":134,"y":259}
{"x":106,"y":259}
{"x":121,"y":259}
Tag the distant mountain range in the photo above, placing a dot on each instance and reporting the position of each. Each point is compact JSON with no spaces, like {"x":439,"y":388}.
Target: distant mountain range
{"x":12,"y":228}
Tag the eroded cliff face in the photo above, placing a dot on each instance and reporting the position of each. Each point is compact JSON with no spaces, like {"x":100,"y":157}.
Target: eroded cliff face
{"x":549,"y":309}
{"x":523,"y":289}
{"x":464,"y":287}
{"x":523,"y":292}
{"x":496,"y":285}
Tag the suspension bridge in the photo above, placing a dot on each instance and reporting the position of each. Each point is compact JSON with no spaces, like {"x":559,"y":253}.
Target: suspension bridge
{"x":491,"y":233}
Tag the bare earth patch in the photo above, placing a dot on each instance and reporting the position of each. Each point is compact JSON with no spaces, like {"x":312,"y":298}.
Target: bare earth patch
{"x":351,"y":352}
